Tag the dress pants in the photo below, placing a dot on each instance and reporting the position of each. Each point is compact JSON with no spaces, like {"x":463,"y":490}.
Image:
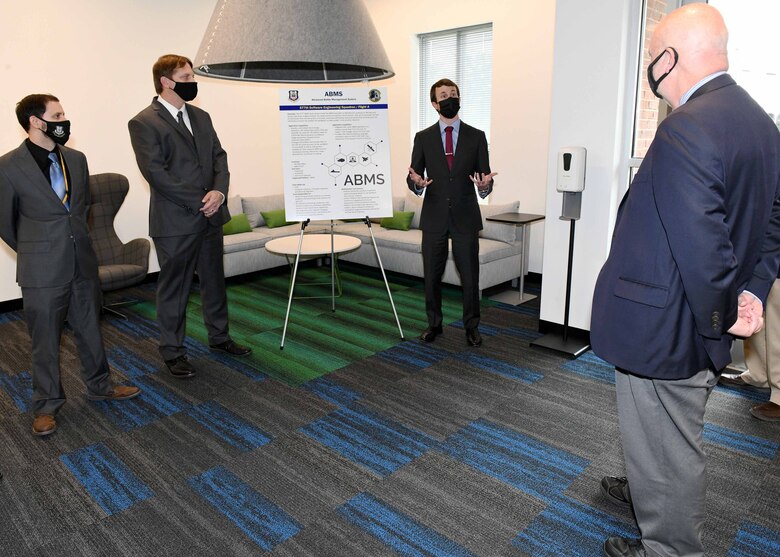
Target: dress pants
{"x":465,"y":252}
{"x":762,"y":350}
{"x":45,"y":311}
{"x":180,"y":257}
{"x":661,"y":426}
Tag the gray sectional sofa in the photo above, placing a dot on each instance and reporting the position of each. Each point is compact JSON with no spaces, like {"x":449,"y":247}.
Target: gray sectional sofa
{"x":500,"y":248}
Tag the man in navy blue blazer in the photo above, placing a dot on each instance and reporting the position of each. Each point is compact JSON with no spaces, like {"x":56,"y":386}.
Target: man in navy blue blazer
{"x":695,"y":250}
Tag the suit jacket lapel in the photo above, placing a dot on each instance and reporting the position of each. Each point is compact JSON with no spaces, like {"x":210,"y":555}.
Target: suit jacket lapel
{"x":26,"y":164}
{"x":74,"y":175}
{"x":438,"y":147}
{"x":163,"y":113}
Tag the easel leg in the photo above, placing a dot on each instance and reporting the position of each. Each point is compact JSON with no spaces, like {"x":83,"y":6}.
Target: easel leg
{"x":387,"y":285}
{"x":292,"y":283}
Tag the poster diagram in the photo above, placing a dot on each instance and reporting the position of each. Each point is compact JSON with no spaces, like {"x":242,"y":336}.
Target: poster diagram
{"x":335,"y":152}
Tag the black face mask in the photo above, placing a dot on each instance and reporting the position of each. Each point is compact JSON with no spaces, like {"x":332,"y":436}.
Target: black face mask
{"x":655,"y":82}
{"x":449,"y":107}
{"x":187,"y":90}
{"x":59,"y":132}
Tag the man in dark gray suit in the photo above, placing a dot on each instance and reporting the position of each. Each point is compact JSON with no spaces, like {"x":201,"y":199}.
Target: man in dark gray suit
{"x":44,"y":197}
{"x":179,"y":154}
{"x":455,"y":157}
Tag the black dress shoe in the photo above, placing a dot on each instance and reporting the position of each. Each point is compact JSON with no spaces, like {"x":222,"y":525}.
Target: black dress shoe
{"x":180,"y":367}
{"x":621,"y":547}
{"x":430,"y":334}
{"x":230,"y":347}
{"x":473,"y":337}
{"x":616,"y":490}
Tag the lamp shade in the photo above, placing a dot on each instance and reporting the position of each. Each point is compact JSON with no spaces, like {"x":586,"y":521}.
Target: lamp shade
{"x":292,"y":41}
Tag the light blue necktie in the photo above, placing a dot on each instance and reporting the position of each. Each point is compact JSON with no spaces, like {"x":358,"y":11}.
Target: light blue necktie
{"x":58,"y":179}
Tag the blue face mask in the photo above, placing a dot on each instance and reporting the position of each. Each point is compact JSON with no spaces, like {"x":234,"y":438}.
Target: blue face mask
{"x":655,"y":82}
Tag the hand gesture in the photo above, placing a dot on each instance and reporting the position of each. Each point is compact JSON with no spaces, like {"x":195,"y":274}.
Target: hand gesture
{"x":418,"y":180}
{"x":482,"y":181}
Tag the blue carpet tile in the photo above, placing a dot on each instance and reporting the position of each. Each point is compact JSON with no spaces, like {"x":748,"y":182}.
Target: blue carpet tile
{"x":536,"y":468}
{"x":260,"y":519}
{"x":106,"y":478}
{"x":591,"y":366}
{"x":18,"y":387}
{"x":416,"y":354}
{"x":402,"y":533}
{"x":380,"y":444}
{"x":155,"y":402}
{"x":499,"y":367}
{"x":738,"y":441}
{"x":227,"y":426}
{"x":753,"y":539}
{"x":522,"y":309}
{"x":756,"y":395}
{"x":10,"y":317}
{"x":484,"y":330}
{"x":331,"y":391}
{"x":523,"y":333}
{"x":242,"y":366}
{"x":129,"y":363}
{"x":139,"y":327}
{"x":569,"y":527}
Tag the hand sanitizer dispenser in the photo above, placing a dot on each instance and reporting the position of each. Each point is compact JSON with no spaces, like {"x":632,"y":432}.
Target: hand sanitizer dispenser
{"x":571,"y":180}
{"x":571,"y":169}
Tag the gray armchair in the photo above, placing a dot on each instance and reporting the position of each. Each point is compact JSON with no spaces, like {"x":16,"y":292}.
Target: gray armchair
{"x":119,"y":265}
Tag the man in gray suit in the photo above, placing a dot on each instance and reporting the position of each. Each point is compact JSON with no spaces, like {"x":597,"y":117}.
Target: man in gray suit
{"x":44,"y":197}
{"x":179,"y":154}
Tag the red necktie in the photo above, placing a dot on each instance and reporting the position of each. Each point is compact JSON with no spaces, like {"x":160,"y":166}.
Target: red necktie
{"x":448,"y":150}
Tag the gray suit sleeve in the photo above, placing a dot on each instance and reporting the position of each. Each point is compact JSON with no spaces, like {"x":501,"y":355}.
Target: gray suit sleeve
{"x":8,"y":212}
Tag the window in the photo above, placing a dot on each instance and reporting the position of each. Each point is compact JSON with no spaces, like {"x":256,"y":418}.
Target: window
{"x":465,"y":56}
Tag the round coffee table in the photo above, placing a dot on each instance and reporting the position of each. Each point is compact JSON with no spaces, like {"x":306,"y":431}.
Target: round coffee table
{"x":312,"y":247}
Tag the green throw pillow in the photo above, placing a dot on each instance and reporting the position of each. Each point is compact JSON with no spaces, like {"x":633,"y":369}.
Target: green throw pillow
{"x":239,"y":223}
{"x":399,"y":221}
{"x":274,"y":218}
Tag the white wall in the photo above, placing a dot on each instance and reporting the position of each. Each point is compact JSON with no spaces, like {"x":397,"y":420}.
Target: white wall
{"x":96,"y":56}
{"x":595,"y":43}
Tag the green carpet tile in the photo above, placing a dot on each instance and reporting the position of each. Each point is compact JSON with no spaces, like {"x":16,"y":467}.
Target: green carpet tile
{"x":318,"y":340}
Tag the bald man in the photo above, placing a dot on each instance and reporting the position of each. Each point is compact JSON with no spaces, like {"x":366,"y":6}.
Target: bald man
{"x":695,"y":250}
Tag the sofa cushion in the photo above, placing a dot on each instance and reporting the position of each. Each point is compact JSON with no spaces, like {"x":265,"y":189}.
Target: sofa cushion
{"x":245,"y":241}
{"x":399,"y":221}
{"x":234,"y":205}
{"x":238,"y":223}
{"x":253,"y":206}
{"x":496,"y":230}
{"x":406,"y":240}
{"x":275,"y":218}
{"x":414,"y":203}
{"x":493,"y":250}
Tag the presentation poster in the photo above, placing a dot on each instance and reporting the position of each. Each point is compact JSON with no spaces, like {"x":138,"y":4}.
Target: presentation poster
{"x":336,"y":153}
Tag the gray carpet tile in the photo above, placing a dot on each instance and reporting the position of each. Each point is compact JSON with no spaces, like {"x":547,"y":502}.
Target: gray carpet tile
{"x":422,"y":449}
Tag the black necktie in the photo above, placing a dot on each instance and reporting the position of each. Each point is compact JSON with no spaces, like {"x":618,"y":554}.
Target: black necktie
{"x":180,"y":117}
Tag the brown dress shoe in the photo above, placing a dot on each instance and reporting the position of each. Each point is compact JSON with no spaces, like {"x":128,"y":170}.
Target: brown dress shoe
{"x":43,"y":424}
{"x":768,"y":412}
{"x":119,"y":392}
